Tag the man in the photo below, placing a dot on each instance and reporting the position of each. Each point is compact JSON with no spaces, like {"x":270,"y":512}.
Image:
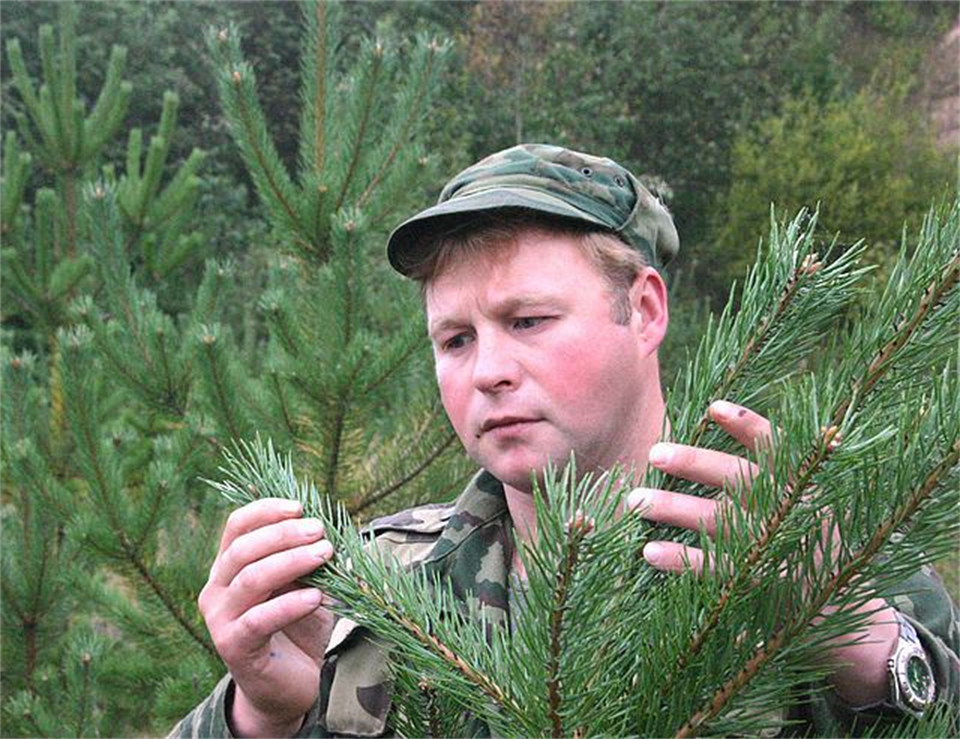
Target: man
{"x":545,"y":310}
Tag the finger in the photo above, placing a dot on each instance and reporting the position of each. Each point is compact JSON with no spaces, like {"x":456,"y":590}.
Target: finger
{"x":253,"y":630}
{"x":675,"y":509}
{"x":262,"y":542}
{"x":672,"y":557}
{"x":254,"y":515}
{"x":749,"y":428}
{"x":256,"y":582}
{"x":706,"y":466}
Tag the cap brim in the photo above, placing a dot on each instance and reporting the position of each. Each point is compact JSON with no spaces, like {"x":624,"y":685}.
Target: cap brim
{"x":409,"y":243}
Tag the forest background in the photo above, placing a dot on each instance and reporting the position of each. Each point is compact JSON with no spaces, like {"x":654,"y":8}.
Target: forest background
{"x":724,"y":108}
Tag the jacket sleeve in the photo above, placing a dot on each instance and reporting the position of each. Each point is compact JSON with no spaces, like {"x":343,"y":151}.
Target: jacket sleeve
{"x":209,"y":718}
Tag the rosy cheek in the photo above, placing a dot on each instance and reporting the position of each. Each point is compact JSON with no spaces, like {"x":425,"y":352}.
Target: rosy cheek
{"x":452,"y":395}
{"x":583,"y":364}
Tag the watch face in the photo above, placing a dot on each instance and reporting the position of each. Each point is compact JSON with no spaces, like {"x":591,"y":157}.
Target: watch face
{"x":919,"y":678}
{"x":913,"y":684}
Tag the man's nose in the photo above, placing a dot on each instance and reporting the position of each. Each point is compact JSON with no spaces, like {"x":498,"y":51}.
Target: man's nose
{"x":495,"y":369}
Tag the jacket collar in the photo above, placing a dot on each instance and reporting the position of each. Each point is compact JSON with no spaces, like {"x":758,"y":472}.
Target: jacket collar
{"x":475,"y":549}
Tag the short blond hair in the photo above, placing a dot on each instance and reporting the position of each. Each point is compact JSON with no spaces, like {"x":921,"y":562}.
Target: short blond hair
{"x":614,"y":259}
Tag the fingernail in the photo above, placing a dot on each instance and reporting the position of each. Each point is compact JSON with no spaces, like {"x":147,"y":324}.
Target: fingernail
{"x":721,"y":410}
{"x":311,"y":596}
{"x":322,"y":550}
{"x":640,"y":498}
{"x":311,"y":527}
{"x":290,"y":506}
{"x":660,"y":454}
{"x":653,"y":553}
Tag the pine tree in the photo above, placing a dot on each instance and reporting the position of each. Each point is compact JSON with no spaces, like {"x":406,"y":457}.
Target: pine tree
{"x":343,"y":380}
{"x":87,"y":491}
{"x":867,"y":439}
{"x":121,"y":387}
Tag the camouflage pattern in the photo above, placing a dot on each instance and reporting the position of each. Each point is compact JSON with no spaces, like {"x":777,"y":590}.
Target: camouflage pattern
{"x":546,"y":179}
{"x":471,"y":543}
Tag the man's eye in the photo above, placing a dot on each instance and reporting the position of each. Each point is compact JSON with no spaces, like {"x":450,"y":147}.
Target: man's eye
{"x":528,"y":321}
{"x":456,"y":342}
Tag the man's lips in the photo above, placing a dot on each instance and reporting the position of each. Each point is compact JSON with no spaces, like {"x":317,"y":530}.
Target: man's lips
{"x":494,"y":423}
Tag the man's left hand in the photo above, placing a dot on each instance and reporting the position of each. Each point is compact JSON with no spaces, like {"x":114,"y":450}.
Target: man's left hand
{"x":860,"y":658}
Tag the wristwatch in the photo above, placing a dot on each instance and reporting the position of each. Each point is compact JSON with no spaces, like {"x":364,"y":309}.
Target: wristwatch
{"x":912,"y":686}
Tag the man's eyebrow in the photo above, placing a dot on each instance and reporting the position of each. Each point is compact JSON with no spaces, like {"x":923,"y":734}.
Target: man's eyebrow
{"x":528,"y":301}
{"x":444,"y":324}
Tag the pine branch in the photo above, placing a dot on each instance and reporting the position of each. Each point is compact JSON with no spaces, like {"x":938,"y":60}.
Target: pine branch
{"x":28,"y":614}
{"x":334,"y":447}
{"x":84,"y":694}
{"x":577,"y":529}
{"x":168,"y":601}
{"x":84,"y":428}
{"x":152,"y":515}
{"x":30,"y":720}
{"x":24,"y":85}
{"x":16,"y":170}
{"x":222,"y":395}
{"x":273,"y":187}
{"x":256,"y":471}
{"x":753,"y":557}
{"x":345,"y":264}
{"x":113,"y":95}
{"x":395,"y":363}
{"x":114,"y":269}
{"x":280,"y":323}
{"x":794,"y":299}
{"x":818,"y":456}
{"x":401,"y":140}
{"x":342,"y":405}
{"x":754,"y":345}
{"x":285,"y":412}
{"x":432,"y":643}
{"x":171,"y":393}
{"x":377,"y":495}
{"x":119,"y":363}
{"x":848,"y":570}
{"x":69,"y":186}
{"x":58,"y":416}
{"x":366,"y":109}
{"x":934,"y":294}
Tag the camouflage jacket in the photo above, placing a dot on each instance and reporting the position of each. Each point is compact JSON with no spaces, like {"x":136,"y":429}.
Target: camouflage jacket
{"x":470,"y":542}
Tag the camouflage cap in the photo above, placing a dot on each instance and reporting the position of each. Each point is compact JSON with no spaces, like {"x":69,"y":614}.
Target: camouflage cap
{"x":546,"y":179}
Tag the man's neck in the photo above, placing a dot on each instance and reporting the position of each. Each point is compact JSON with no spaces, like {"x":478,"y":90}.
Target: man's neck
{"x":523,"y":514}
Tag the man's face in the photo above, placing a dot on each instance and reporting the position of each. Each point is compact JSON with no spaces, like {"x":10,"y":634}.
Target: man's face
{"x":531,"y":364}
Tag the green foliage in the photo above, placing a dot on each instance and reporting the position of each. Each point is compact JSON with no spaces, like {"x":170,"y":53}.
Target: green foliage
{"x":91,"y":487}
{"x":868,"y":162}
{"x":137,"y":374}
{"x":44,"y":246}
{"x":55,"y":126}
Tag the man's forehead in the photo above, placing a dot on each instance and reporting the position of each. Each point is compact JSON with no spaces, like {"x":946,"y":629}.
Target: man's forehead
{"x":525,"y":273}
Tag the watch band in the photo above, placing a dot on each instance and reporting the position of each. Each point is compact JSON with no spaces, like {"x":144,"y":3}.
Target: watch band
{"x":907,"y":632}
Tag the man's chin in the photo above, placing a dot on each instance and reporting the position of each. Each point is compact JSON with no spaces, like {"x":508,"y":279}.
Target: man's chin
{"x":519,"y":475}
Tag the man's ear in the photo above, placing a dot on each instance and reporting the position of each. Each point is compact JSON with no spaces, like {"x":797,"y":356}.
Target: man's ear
{"x":648,"y":299}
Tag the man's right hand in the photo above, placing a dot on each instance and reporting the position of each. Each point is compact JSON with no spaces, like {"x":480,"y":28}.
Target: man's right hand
{"x":270,"y":631}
